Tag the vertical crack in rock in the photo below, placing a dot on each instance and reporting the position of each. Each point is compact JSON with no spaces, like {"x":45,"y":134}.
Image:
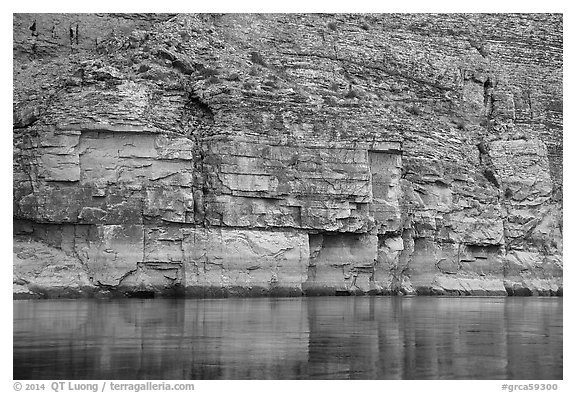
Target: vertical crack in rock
{"x":486,"y":165}
{"x":489,"y":87}
{"x":198,"y":122}
{"x":394,"y":254}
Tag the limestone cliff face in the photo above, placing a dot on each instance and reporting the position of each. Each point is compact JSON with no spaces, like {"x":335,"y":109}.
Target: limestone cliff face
{"x":245,"y":154}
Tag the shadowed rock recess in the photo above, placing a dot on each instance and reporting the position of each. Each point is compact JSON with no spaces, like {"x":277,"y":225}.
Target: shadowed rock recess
{"x":282,"y":155}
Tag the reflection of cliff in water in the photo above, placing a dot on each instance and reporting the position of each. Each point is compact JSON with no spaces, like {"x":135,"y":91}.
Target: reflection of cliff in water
{"x":317,"y":338}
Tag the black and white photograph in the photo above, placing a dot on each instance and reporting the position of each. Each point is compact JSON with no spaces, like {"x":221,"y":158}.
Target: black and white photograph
{"x":205,"y":196}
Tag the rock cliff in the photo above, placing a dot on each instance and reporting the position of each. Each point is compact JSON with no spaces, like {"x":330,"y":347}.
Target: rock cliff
{"x":217,"y":155}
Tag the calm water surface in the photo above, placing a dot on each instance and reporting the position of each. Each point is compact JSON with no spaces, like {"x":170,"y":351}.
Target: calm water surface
{"x":297,"y":338}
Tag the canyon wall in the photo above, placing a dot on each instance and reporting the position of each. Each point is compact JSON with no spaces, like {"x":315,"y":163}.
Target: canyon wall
{"x":219,"y":155}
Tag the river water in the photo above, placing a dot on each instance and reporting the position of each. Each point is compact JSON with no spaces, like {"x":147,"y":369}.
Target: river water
{"x":292,"y":338}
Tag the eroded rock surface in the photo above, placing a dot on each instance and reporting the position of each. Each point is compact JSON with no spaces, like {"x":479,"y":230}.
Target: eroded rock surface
{"x":216,"y":155}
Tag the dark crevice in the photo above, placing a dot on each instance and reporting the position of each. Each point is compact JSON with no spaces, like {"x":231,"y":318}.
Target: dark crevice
{"x":197,"y":121}
{"x":489,"y":86}
{"x":382,"y":237}
{"x":489,"y":175}
{"x":197,"y":117}
{"x":486,"y":166}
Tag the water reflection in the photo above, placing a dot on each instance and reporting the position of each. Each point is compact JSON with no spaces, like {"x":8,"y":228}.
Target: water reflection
{"x":311,"y":338}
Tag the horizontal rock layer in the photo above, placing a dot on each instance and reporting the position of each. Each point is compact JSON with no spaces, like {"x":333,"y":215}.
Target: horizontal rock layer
{"x":216,"y":155}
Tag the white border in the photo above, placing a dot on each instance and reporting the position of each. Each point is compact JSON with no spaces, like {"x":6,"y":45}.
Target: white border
{"x":296,"y":6}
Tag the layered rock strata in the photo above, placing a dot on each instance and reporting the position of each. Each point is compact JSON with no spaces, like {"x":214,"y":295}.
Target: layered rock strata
{"x":217,"y":155}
